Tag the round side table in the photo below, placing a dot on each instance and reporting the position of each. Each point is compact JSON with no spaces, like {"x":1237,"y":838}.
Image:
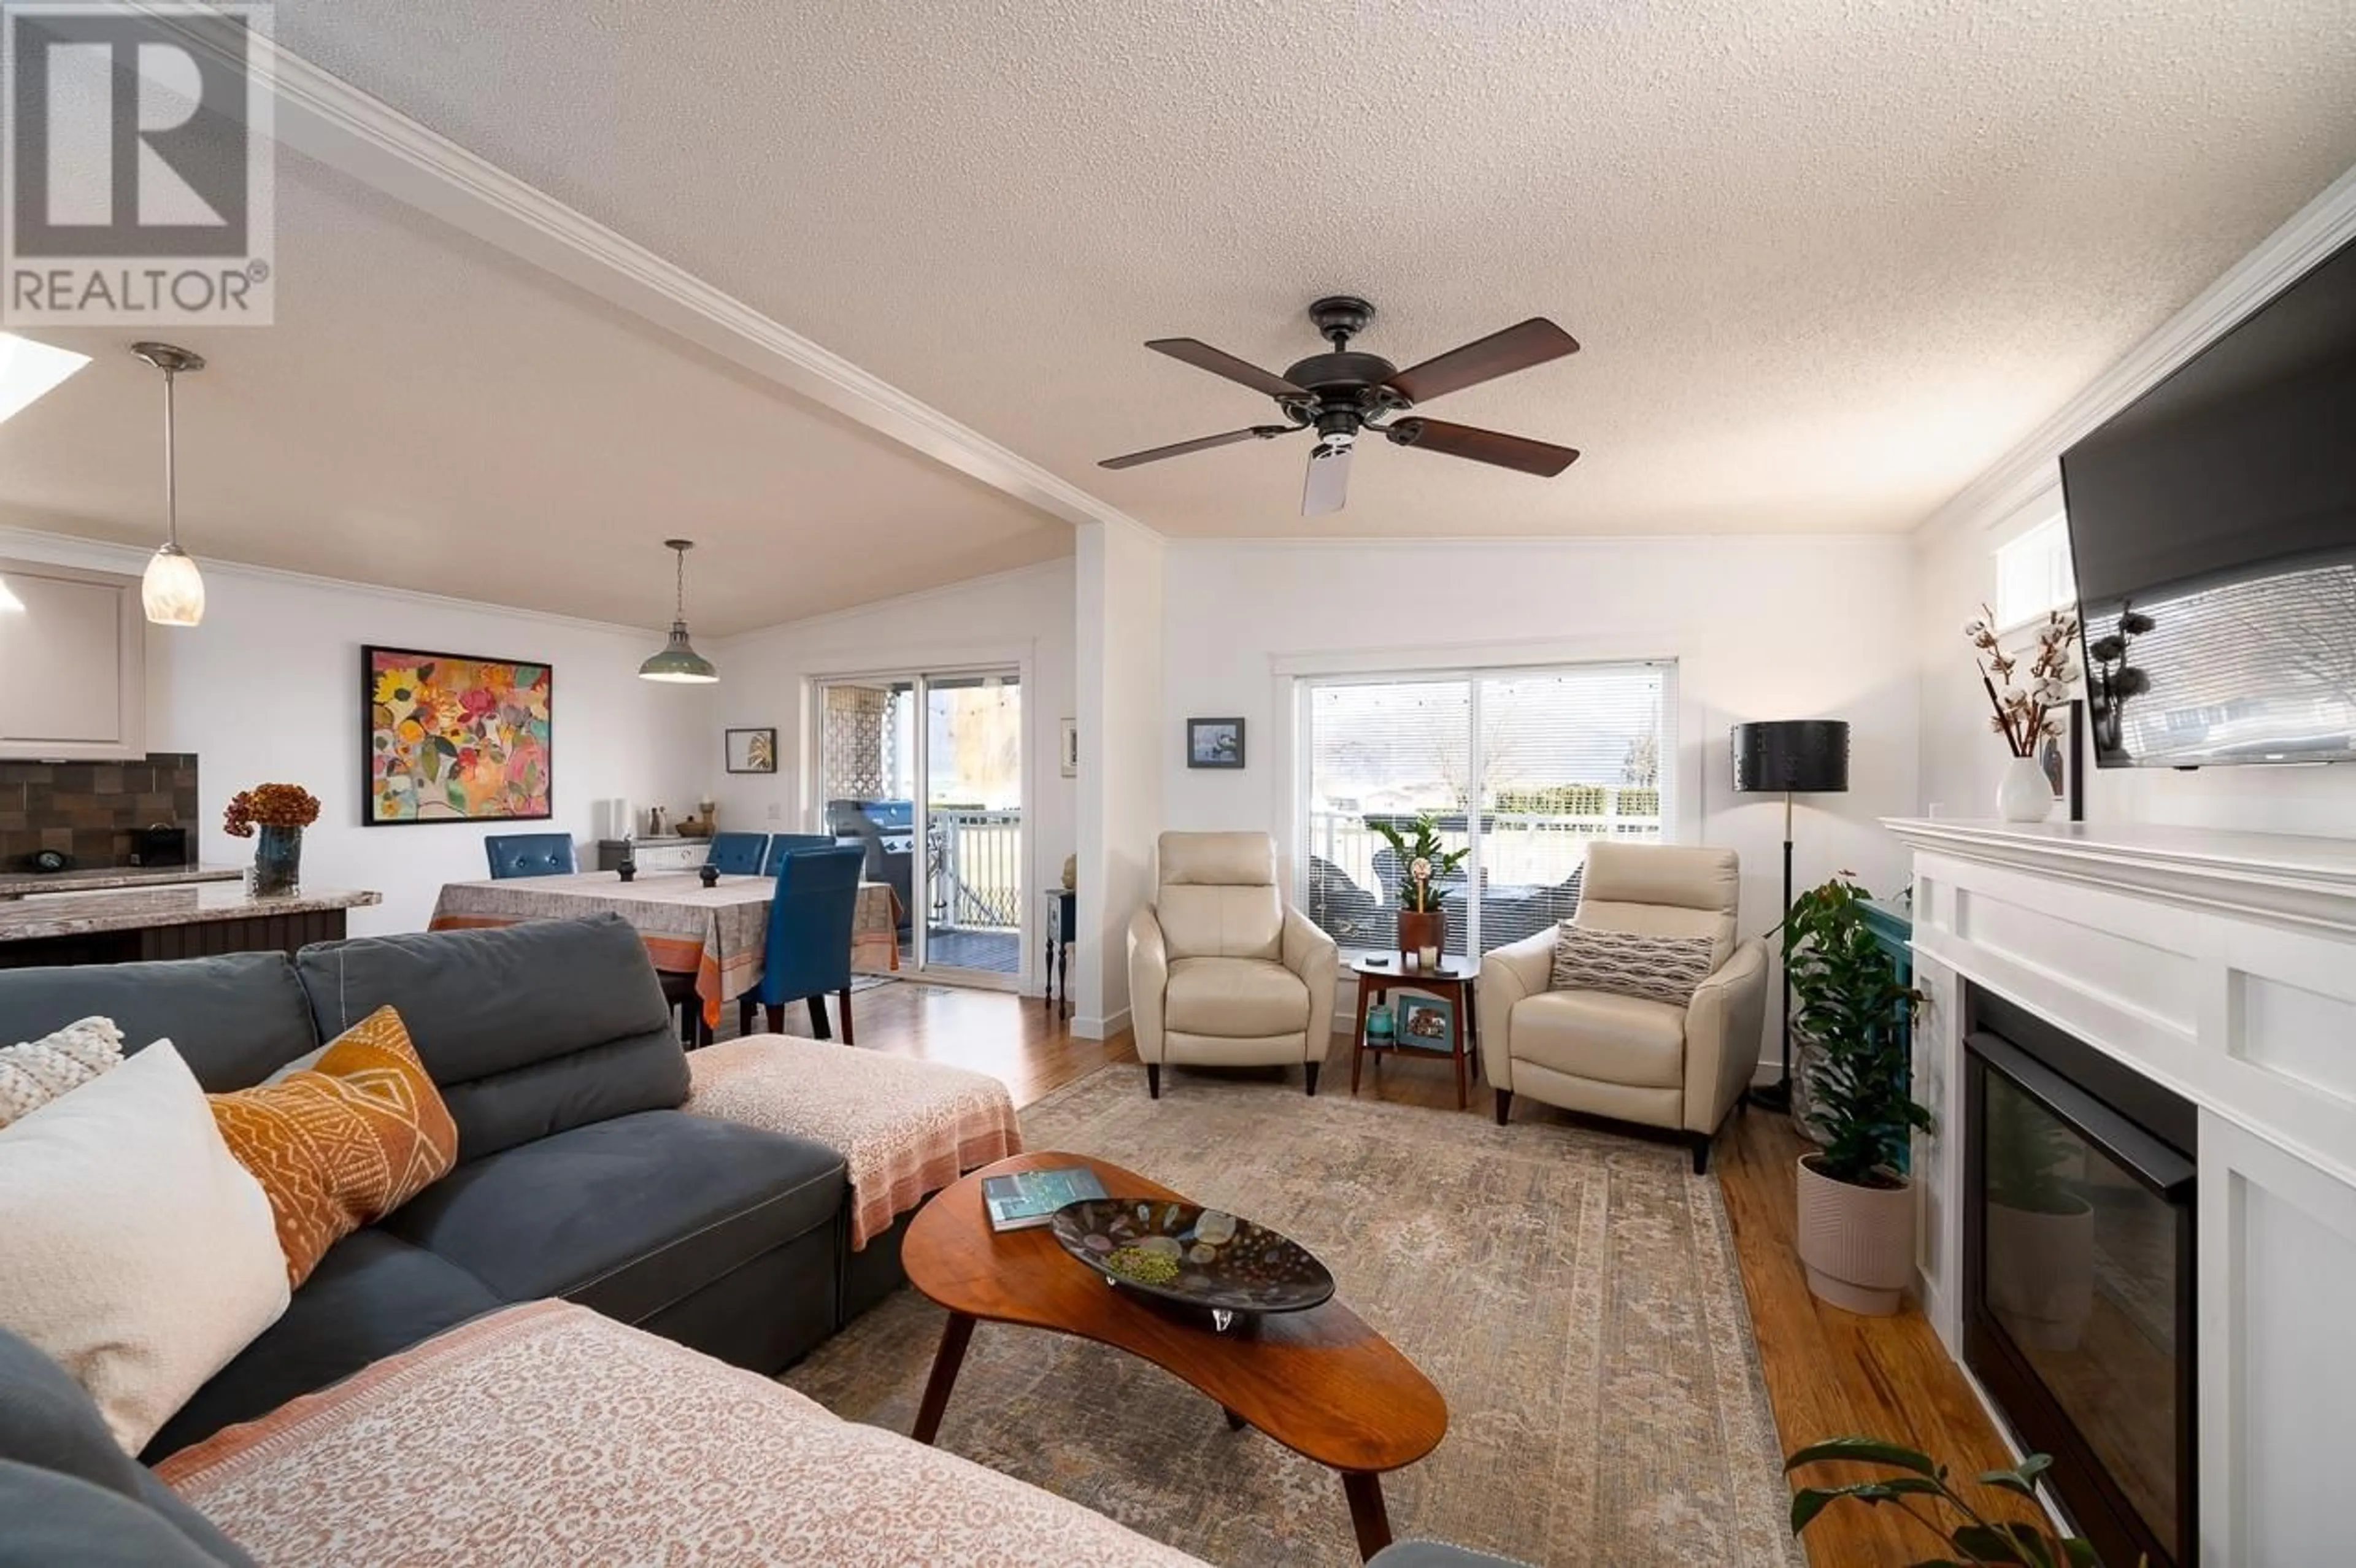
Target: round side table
{"x":1452,"y":982}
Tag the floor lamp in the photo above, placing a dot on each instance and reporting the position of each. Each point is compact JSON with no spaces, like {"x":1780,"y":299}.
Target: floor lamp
{"x":1790,"y":756}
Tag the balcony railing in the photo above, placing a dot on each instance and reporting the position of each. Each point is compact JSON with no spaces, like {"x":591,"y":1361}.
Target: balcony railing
{"x":1528,"y":859}
{"x":976,"y":859}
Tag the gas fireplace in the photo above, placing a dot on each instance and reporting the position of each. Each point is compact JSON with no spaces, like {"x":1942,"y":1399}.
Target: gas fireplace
{"x":2078,"y":1275}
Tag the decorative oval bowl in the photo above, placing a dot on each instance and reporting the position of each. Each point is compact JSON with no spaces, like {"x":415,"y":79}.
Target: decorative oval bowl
{"x":1184,"y":1253}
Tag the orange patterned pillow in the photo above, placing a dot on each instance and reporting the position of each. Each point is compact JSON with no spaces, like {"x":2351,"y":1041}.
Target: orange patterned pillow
{"x":344,"y":1142}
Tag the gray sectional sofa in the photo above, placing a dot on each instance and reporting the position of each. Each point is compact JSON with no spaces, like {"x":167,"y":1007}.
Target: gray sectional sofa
{"x":577,"y":1175}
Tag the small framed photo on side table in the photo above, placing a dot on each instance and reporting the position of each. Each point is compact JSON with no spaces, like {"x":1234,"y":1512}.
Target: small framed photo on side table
{"x":1214,"y":742}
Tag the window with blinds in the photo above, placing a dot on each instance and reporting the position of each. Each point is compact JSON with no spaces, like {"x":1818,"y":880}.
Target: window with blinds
{"x":1523,"y":768}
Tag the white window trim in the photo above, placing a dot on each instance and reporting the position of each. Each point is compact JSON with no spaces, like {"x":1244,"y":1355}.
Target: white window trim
{"x":1293,"y":675}
{"x":2009,"y":622}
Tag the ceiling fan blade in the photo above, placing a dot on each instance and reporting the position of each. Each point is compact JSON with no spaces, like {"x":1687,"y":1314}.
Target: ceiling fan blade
{"x":1219,"y":362}
{"x":1534,"y":342}
{"x":1516,"y":452}
{"x":1200,"y":444}
{"x":1327,"y":487}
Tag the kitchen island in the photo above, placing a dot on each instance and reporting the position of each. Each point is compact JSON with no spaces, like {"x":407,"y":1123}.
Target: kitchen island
{"x":185,"y":920}
{"x":96,"y":879}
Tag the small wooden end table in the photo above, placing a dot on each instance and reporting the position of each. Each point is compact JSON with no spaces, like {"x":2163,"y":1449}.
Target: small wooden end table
{"x":1321,"y":1382}
{"x":1454,"y":979}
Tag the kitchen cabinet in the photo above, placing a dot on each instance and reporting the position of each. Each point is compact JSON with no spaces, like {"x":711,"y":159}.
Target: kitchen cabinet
{"x":73,"y":664}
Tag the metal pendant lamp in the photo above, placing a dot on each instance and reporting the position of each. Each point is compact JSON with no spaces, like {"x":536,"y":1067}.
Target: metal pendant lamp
{"x":172,"y":589}
{"x":679,"y":661}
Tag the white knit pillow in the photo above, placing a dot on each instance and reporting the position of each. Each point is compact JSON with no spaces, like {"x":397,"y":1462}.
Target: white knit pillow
{"x":133,"y":1248}
{"x":33,"y":1075}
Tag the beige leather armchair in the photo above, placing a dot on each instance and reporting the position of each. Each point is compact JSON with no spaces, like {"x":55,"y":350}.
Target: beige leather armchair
{"x":1626,"y":1057}
{"x":1220,"y":972}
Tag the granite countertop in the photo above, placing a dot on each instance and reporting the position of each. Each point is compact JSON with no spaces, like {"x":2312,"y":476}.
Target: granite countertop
{"x":137,"y":909}
{"x":17,"y":884}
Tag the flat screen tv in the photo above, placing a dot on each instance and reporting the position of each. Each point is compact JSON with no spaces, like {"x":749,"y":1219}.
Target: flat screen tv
{"x":2212,"y":525}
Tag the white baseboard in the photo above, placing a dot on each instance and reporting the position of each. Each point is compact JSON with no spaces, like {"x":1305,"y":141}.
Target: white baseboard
{"x":1100,"y":1029}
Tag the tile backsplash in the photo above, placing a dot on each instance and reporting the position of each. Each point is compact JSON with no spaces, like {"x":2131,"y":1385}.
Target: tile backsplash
{"x":92,"y":811}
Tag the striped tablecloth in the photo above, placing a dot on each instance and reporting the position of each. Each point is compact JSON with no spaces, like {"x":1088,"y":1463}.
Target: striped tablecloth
{"x":717,"y":932}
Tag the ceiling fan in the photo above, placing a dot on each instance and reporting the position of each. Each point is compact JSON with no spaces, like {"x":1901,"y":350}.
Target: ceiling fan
{"x":1341,"y":394}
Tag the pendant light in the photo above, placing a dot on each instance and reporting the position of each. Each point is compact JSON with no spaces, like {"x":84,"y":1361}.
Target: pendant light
{"x":172,"y":589}
{"x":679,"y":661}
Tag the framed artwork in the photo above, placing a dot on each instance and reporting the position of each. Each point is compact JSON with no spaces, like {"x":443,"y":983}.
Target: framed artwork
{"x":453,"y":738}
{"x":1214,"y":742}
{"x":752,"y":751}
{"x":2063,"y":758}
{"x":1428,"y":1023}
{"x":1069,"y":749}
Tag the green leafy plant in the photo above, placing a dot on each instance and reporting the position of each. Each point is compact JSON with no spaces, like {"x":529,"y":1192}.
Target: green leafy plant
{"x":1920,"y":1490}
{"x":1847,"y":997}
{"x":1423,"y":863}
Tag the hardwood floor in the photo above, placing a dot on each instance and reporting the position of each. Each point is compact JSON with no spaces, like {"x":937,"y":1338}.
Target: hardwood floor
{"x":1828,"y":1372}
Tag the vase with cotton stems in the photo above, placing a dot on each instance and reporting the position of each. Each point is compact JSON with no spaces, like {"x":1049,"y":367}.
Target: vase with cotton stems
{"x":2028,"y":703}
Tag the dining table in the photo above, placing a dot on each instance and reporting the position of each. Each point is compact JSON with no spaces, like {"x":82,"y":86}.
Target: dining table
{"x":718,"y":934}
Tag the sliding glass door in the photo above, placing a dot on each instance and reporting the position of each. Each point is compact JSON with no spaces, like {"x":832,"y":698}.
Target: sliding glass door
{"x":925,"y":770}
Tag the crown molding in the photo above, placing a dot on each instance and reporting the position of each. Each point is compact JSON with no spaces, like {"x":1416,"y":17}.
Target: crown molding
{"x":2029,"y":470}
{"x":38,"y":546}
{"x":325,"y":118}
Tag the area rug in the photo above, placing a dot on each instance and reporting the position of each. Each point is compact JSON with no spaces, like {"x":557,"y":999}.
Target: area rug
{"x":1573,"y":1294}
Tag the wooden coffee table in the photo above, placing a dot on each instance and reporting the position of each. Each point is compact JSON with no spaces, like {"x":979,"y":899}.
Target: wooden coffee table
{"x":1321,"y":1382}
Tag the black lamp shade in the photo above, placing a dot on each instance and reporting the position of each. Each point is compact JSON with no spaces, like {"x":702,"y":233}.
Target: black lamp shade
{"x":1804,"y":755}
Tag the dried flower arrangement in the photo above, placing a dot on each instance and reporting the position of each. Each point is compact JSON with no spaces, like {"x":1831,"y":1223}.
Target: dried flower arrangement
{"x":2033,"y":708}
{"x":269,"y":806}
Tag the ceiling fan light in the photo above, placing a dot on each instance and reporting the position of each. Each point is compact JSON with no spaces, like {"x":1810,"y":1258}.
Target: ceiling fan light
{"x":172,"y":589}
{"x":679,"y":662}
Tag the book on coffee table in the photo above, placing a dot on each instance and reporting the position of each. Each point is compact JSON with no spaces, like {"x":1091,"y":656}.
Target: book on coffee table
{"x":1030,"y":1197}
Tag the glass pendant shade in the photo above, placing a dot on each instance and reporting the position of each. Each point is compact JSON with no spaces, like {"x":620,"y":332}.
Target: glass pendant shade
{"x":172,"y":589}
{"x":679,"y":661}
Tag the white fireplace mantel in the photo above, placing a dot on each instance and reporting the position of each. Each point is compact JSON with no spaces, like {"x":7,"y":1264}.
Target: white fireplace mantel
{"x":2222,"y":965}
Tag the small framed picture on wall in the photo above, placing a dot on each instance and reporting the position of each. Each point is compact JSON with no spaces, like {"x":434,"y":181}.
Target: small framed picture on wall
{"x":752,"y":751}
{"x":1214,"y":742}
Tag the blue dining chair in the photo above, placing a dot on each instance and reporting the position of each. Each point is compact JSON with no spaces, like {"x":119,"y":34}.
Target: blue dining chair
{"x":529,"y":855}
{"x":737,"y":854}
{"x":808,"y":952}
{"x":784,"y":844}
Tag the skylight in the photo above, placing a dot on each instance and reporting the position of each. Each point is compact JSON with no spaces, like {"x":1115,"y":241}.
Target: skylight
{"x":28,"y":368}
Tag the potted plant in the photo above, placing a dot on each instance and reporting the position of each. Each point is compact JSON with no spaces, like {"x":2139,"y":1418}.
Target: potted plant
{"x":1424,"y":864}
{"x":1856,"y":1228}
{"x":1920,"y":1491}
{"x":2028,"y":710}
{"x":281,"y":810}
{"x":2041,"y":1232}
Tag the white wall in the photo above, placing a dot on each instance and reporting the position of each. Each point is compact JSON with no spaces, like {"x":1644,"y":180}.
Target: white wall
{"x":1760,"y":628}
{"x":1021,"y":618}
{"x":1121,"y":607}
{"x":268,"y":690}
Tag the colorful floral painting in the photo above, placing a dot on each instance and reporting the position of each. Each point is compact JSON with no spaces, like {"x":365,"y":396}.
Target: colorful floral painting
{"x":452,"y":739}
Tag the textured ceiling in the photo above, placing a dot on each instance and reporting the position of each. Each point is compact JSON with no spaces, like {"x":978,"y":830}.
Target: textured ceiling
{"x":1828,"y":259}
{"x":428,"y":413}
